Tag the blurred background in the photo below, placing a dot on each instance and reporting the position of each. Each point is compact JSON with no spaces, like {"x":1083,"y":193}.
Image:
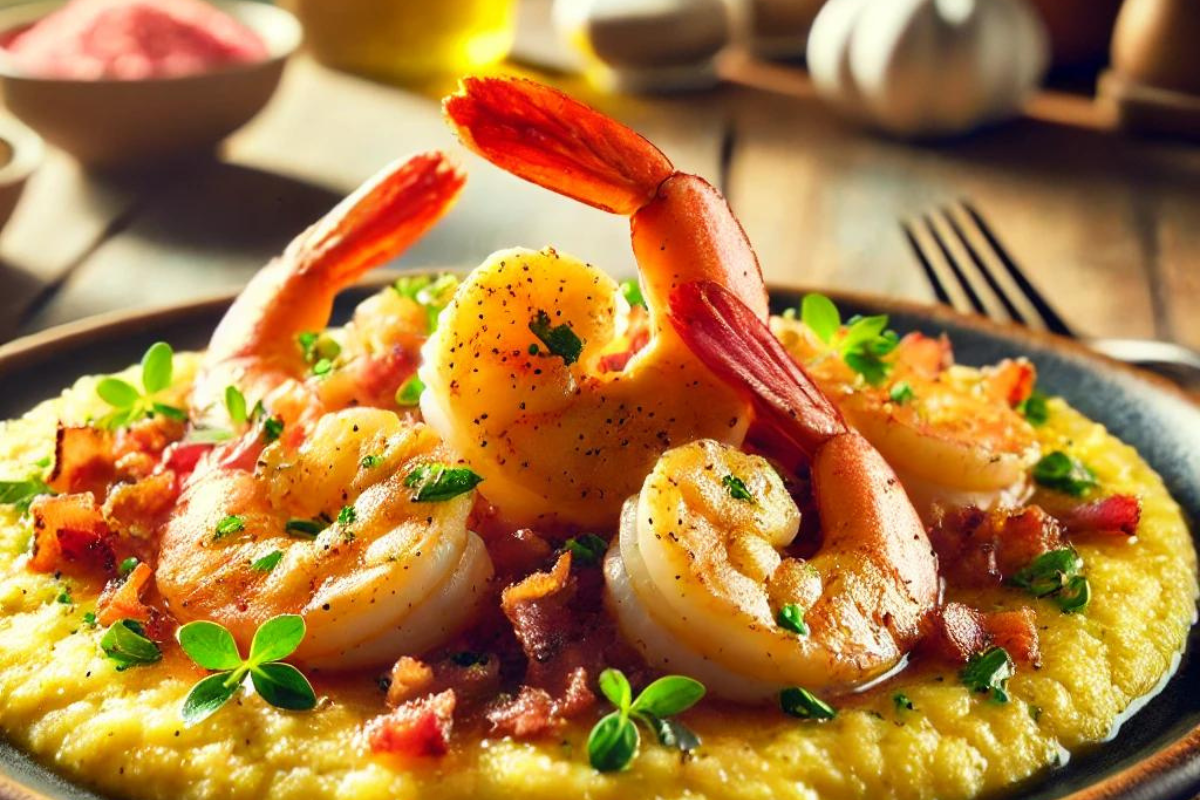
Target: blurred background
{"x":992,"y":154}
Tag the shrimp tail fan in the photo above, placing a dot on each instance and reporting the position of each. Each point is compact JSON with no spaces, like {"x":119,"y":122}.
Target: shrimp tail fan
{"x":548,"y":138}
{"x":732,"y":341}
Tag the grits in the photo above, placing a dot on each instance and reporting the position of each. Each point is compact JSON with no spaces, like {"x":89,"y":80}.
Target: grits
{"x":120,"y":732}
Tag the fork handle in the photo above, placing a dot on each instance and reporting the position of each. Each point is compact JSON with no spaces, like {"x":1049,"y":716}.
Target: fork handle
{"x":1180,"y":364}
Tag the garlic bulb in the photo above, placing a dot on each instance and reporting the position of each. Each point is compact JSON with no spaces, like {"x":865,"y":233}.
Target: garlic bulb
{"x":927,"y":67}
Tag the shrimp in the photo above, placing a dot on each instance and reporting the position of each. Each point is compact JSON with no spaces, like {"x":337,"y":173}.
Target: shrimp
{"x":333,"y":531}
{"x":700,"y":570}
{"x":515,"y":376}
{"x":327,"y":521}
{"x":255,"y":345}
{"x":953,"y":438}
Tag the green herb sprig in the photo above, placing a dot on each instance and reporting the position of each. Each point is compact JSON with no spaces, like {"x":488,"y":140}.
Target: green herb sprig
{"x":1057,"y":574}
{"x":737,"y":488}
{"x":559,"y":340}
{"x":212,"y":647}
{"x":131,"y":404}
{"x":1060,"y":472}
{"x":862,"y":343}
{"x":791,"y":618}
{"x":988,"y":672}
{"x":614,"y":741}
{"x":126,"y":643}
{"x":435,"y":483}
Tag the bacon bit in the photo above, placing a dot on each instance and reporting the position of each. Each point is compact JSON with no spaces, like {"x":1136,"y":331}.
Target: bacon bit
{"x":137,"y":509}
{"x":959,"y":632}
{"x":182,"y":457}
{"x":1011,"y":381}
{"x":69,"y":528}
{"x":538,"y":609}
{"x":516,"y":552}
{"x":419,"y":728}
{"x":925,"y":355}
{"x":1119,"y":514}
{"x":981,"y":548}
{"x":411,"y":679}
{"x":241,"y":453}
{"x":138,"y":448}
{"x":528,"y":714}
{"x":122,"y":598}
{"x":83,"y":460}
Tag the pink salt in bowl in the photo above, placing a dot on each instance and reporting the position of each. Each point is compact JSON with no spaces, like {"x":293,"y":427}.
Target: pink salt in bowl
{"x":112,"y":123}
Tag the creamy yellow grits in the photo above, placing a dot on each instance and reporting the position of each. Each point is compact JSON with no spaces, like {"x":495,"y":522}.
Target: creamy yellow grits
{"x":63,"y":701}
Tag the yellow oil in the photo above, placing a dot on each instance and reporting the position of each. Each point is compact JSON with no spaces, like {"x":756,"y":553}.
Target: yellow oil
{"x":407,"y":40}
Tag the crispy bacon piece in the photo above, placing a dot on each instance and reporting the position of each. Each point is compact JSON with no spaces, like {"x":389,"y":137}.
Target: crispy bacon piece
{"x":83,"y":460}
{"x":122,"y":598}
{"x":528,"y":714}
{"x":473,"y":679}
{"x":1118,"y":514}
{"x":981,"y":548}
{"x":539,"y":610}
{"x":514,"y":552}
{"x":69,"y":528}
{"x":958,"y":632}
{"x":137,"y":509}
{"x":182,"y":457}
{"x":418,"y":728}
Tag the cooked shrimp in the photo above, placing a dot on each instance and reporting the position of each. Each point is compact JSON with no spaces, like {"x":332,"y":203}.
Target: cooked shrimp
{"x":255,"y":346}
{"x":700,"y":571}
{"x":515,"y":375}
{"x":390,"y":576}
{"x":954,"y":438}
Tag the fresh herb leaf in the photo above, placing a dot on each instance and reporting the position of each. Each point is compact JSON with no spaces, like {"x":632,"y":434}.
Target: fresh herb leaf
{"x":1035,"y":408}
{"x":229,"y":525}
{"x":20,"y":494}
{"x":798,"y":702}
{"x":283,"y":686}
{"x":89,"y":618}
{"x":437,"y":482}
{"x":318,"y":348}
{"x":1057,"y":574}
{"x":370,"y":462}
{"x":409,"y":393}
{"x":268,"y":562}
{"x":118,"y":393}
{"x":207,"y":696}
{"x":170,"y":412}
{"x":347,"y":516}
{"x":560,"y":340}
{"x":737,"y":488}
{"x":304,"y":528}
{"x":322,"y":368}
{"x":791,"y":618}
{"x":157,"y":367}
{"x":64,"y":597}
{"x":127,"y":566}
{"x":235,"y":404}
{"x":821,"y":316}
{"x":613,"y":743}
{"x":210,"y":645}
{"x":208,"y":435}
{"x":901,"y":393}
{"x":988,"y":672}
{"x":586,"y":550}
{"x":1075,"y":596}
{"x":631,"y":290}
{"x":129,"y":404}
{"x":902,"y":703}
{"x":272,"y":429}
{"x":671,"y":733}
{"x":616,"y":688}
{"x":126,"y":643}
{"x":1060,"y":472}
{"x":276,"y":638}
{"x":667,"y":696}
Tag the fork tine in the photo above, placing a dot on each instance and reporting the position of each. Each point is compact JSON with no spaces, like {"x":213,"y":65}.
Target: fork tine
{"x":930,"y":273}
{"x":981,"y":265}
{"x":972,"y":296}
{"x":1053,"y":321}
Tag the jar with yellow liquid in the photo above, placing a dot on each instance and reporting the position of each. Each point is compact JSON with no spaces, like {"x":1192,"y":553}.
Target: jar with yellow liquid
{"x":407,"y":41}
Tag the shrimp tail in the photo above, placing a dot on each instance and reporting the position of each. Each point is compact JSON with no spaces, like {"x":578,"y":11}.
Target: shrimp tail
{"x":542,"y":135}
{"x":734,"y":342}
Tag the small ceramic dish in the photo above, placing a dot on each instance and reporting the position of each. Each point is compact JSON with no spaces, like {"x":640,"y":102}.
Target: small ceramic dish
{"x":20,"y":154}
{"x":115,"y":123}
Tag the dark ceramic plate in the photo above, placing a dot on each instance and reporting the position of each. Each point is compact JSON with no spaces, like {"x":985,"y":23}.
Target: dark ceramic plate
{"x":1155,"y":755}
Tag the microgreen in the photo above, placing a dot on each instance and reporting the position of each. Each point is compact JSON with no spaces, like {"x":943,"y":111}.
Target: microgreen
{"x":988,"y":672}
{"x":20,"y":494}
{"x":347,"y":516}
{"x":586,"y":550}
{"x":559,"y":340}
{"x":268,"y":562}
{"x":901,"y":702}
{"x":862,"y":342}
{"x":409,"y":393}
{"x":791,"y":618}
{"x":437,"y":482}
{"x":803,"y":704}
{"x":126,"y":643}
{"x":737,"y":488}
{"x":1035,"y":408}
{"x":229,"y":525}
{"x":1060,"y":472}
{"x":432,"y":294}
{"x":614,"y":741}
{"x":131,"y":404}
{"x":901,"y":393}
{"x":235,"y":404}
{"x":631,"y":290}
{"x":1057,"y":574}
{"x":370,"y":461}
{"x":212,"y":647}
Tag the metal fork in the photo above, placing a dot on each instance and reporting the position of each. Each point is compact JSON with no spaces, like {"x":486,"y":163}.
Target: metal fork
{"x":972,"y":272}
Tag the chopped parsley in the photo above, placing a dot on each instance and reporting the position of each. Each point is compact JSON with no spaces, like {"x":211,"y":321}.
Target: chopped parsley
{"x":229,"y":525}
{"x":988,"y":672}
{"x":615,"y":740}
{"x":631,"y":290}
{"x":586,"y":550}
{"x":437,"y":482}
{"x":432,"y":294}
{"x":737,"y":488}
{"x":791,"y":618}
{"x":212,"y":647}
{"x":126,"y":644}
{"x":370,"y":461}
{"x":272,"y":429}
{"x":130,"y":404}
{"x":1034,"y":408}
{"x":409,"y":393}
{"x":89,"y":618}
{"x":127,"y":566}
{"x":901,"y":393}
{"x":1057,"y":574}
{"x":803,"y":704}
{"x":305,"y":528}
{"x":268,"y":562}
{"x":1060,"y":472}
{"x":319,"y":351}
{"x":559,"y":340}
{"x":347,"y":516}
{"x":901,"y":702}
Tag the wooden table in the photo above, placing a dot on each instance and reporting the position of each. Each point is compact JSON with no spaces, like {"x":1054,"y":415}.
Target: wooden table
{"x":1108,"y":225}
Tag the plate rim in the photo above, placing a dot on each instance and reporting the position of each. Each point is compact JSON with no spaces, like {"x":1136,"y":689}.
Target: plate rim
{"x":1176,"y":764}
